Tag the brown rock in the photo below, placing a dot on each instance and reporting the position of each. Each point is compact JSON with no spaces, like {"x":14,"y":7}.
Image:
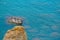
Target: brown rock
{"x":17,"y":33}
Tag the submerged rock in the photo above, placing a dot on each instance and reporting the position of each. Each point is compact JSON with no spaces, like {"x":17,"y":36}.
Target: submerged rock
{"x":16,"y":33}
{"x":15,"y":20}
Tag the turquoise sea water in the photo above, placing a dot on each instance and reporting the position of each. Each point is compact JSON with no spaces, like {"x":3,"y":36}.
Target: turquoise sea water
{"x":41,"y":17}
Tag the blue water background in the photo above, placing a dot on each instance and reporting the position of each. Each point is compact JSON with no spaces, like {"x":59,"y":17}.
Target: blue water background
{"x":41,"y":17}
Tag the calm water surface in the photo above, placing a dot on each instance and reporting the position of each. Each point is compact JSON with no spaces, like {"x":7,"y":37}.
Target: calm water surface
{"x":41,"y":17}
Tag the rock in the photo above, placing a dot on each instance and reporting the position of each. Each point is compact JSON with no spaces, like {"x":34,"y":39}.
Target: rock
{"x":15,"y":20}
{"x":16,"y":33}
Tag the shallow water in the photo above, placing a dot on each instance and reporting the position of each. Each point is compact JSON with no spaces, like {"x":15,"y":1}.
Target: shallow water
{"x":41,"y":17}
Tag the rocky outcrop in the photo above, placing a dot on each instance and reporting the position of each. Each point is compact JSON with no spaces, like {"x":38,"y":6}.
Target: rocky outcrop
{"x":16,"y":33}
